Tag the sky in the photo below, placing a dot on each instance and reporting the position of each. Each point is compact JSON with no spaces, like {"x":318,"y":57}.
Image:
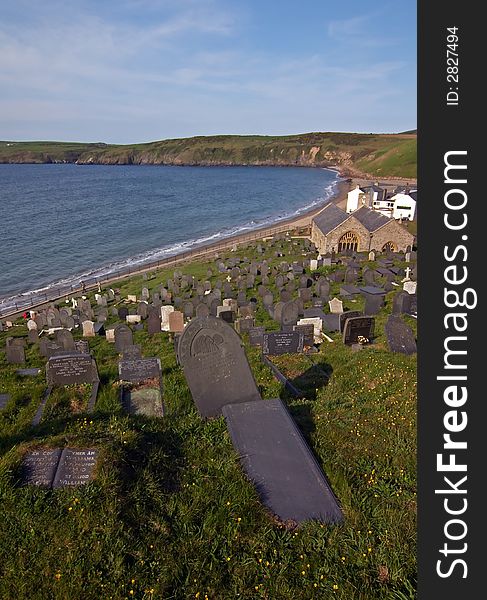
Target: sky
{"x":127,"y":71}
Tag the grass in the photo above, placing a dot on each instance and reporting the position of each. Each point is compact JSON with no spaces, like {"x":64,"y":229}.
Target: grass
{"x":170,"y":514}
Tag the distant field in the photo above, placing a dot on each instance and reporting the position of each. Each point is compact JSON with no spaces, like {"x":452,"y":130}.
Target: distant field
{"x":392,"y":155}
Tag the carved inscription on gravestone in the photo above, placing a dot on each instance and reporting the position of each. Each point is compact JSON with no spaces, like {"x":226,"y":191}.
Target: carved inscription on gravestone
{"x":70,"y":369}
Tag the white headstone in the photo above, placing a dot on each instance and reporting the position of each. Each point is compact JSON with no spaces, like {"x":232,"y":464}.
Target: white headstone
{"x":110,"y":335}
{"x":132,"y":298}
{"x":313,"y":264}
{"x":371,"y":255}
{"x":88,"y":329}
{"x":407,"y":257}
{"x":75,"y":303}
{"x":336,"y":306}
{"x":97,"y":297}
{"x":410,"y":287}
{"x":31,"y":325}
{"x":133,"y":318}
{"x":165,"y":310}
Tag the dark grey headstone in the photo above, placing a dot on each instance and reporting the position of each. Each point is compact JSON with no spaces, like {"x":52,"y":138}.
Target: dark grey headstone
{"x":282,"y":342}
{"x":123,"y":311}
{"x":400,"y":337}
{"x":308,"y":333}
{"x":276,"y":458}
{"x":358,"y":326}
{"x":289,"y":314}
{"x":348,"y":314}
{"x":136,"y":370}
{"x":215,"y":365}
{"x":76,"y":467}
{"x":68,"y":369}
{"x":123,"y":337}
{"x":154,"y":321}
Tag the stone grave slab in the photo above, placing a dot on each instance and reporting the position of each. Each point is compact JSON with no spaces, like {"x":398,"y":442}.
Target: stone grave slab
{"x":336,"y":306}
{"x":400,"y":337}
{"x":76,"y":467}
{"x":215,"y":365}
{"x":278,"y":461}
{"x":4,"y":398}
{"x":28,"y":372}
{"x":39,"y":467}
{"x":282,"y":342}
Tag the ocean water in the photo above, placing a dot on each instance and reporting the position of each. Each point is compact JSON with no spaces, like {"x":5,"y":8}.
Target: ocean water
{"x":64,"y":223}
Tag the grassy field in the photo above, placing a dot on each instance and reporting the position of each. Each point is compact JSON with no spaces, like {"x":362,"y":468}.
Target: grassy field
{"x":170,"y":514}
{"x":392,"y":155}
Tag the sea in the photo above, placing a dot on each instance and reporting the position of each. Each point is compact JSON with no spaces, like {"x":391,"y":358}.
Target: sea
{"x":66,"y":223}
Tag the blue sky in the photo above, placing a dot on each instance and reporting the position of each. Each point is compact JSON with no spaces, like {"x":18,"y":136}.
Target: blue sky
{"x":125,"y":71}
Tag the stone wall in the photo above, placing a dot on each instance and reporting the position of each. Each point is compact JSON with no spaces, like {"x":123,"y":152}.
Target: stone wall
{"x":392,"y":232}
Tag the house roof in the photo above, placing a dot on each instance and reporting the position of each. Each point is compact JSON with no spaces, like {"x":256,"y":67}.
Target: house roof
{"x":330,"y":217}
{"x":370,"y":219}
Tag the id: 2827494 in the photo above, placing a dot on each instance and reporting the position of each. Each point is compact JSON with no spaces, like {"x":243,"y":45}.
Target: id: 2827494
{"x":452,"y":67}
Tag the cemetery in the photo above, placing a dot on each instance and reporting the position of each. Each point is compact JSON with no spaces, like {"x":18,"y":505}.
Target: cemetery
{"x":242,"y":425}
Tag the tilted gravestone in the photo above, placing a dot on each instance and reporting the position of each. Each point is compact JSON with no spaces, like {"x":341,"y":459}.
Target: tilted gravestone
{"x":165,"y":310}
{"x":281,"y":342}
{"x":277,"y":459}
{"x":215,"y":366}
{"x":358,"y":327}
{"x":400,"y":337}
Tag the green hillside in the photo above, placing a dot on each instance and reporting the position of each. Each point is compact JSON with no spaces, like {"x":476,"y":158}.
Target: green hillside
{"x":392,"y":155}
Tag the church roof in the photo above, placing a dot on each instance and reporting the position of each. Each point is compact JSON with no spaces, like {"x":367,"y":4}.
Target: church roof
{"x":330,"y":217}
{"x":370,"y":219}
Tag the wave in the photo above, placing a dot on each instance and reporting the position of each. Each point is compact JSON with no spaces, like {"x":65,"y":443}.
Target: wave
{"x":68,"y":284}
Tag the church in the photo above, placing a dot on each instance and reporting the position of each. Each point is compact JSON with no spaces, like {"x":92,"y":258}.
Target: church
{"x":335,"y":230}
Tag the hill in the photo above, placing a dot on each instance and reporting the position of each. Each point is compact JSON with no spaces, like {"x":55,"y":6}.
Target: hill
{"x":384,"y":155}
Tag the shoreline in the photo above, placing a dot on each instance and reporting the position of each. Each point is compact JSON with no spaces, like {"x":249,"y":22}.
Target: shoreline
{"x":302,"y":221}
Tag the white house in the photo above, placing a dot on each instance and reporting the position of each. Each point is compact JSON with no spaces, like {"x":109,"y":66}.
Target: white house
{"x":404,"y":205}
{"x":353,"y":199}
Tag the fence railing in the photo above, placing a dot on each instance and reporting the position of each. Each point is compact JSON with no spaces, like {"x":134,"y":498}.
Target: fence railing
{"x":92,"y":283}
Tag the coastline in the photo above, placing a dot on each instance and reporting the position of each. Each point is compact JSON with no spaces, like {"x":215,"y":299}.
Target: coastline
{"x":299,"y":222}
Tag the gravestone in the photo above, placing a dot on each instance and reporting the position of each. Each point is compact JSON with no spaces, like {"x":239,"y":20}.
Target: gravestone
{"x":289,"y":314}
{"x":165,"y":311}
{"x":76,"y":467}
{"x":374,"y":299}
{"x":154,"y":322}
{"x":68,"y":369}
{"x":243,"y":325}
{"x":176,"y":322}
{"x":410,"y":287}
{"x":4,"y":398}
{"x":215,"y":366}
{"x":133,"y":319}
{"x":135,"y":369}
{"x":143,"y":310}
{"x":39,"y":466}
{"x":65,"y":339}
{"x":336,"y":306}
{"x":348,"y":314}
{"x":276,"y":458}
{"x":123,"y":311}
{"x":82,"y":346}
{"x":15,"y":352}
{"x":282,"y":342}
{"x":400,"y":337}
{"x":308,"y":331}
{"x":31,"y":325}
{"x":356,"y":327}
{"x":203,"y":310}
{"x":256,"y":335}
{"x":123,"y":337}
{"x":32,"y":336}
